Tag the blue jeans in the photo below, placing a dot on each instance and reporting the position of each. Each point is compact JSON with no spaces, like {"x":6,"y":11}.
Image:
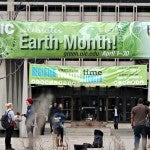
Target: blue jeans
{"x":140,"y":130}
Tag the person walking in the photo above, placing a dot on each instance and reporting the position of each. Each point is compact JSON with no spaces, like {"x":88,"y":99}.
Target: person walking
{"x":58,"y":122}
{"x":30,"y":117}
{"x":10,"y":129}
{"x":148,"y":128}
{"x":138,"y":120}
{"x":116,"y":117}
{"x":51,"y":113}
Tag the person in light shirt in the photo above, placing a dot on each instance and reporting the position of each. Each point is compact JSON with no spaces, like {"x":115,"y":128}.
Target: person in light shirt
{"x":9,"y":131}
{"x":116,"y":117}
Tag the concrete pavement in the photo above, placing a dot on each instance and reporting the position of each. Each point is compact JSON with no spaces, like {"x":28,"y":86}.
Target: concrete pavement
{"x":46,"y":142}
{"x":112,"y":139}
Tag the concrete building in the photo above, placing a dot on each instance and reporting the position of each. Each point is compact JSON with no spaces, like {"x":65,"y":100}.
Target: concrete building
{"x":14,"y":72}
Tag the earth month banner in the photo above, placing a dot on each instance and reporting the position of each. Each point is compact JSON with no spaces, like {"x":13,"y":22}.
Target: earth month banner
{"x":88,"y":76}
{"x":74,"y":39}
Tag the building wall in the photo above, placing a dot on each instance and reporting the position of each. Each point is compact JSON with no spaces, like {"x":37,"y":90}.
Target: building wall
{"x":69,"y":11}
{"x":65,"y":11}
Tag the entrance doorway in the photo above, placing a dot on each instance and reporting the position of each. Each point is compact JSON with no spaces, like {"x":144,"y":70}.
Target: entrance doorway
{"x":102,"y":109}
{"x":67,"y":103}
{"x":111,"y":102}
{"x":85,"y":106}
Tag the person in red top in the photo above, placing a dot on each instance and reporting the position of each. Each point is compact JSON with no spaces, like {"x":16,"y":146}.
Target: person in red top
{"x":138,"y":121}
{"x":30,"y":117}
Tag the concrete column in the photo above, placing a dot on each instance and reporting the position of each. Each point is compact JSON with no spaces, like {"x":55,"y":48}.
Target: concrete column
{"x":29,"y":91}
{"x":19,"y":98}
{"x":149,"y":82}
{"x":10,"y":83}
{"x":15,"y":90}
{"x":10,"y":5}
{"x":10,"y":9}
{"x":22,"y":128}
{"x":3,"y":95}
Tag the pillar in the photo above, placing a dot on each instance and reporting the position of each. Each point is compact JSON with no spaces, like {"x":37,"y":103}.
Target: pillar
{"x":3,"y":95}
{"x":15,"y":101}
{"x":10,"y":97}
{"x":19,"y":98}
{"x":10,"y":9}
{"x":22,"y":127}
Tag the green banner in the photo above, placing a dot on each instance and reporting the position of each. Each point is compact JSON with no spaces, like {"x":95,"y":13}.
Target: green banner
{"x":88,"y":76}
{"x":74,"y":39}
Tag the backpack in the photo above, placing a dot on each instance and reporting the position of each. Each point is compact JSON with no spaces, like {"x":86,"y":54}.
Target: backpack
{"x":4,"y":121}
{"x":98,"y":139}
{"x":56,"y":121}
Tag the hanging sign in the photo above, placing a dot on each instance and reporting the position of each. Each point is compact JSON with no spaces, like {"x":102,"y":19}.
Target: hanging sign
{"x":74,"y":39}
{"x":88,"y":76}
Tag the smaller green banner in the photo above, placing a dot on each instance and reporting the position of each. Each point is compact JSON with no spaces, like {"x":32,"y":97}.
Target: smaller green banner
{"x":88,"y":76}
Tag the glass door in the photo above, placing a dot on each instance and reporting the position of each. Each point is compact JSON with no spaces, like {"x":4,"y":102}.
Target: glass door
{"x":102,"y":109}
{"x":67,"y":104}
{"x":110,"y":104}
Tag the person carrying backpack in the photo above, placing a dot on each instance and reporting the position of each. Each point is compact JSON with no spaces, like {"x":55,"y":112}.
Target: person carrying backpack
{"x":9,"y":129}
{"x":58,"y":121}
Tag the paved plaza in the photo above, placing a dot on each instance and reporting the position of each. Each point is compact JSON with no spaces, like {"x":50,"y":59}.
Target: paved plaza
{"x":112,"y":140}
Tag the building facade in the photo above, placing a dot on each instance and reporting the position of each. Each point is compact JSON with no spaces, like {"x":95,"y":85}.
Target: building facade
{"x":81,"y":101}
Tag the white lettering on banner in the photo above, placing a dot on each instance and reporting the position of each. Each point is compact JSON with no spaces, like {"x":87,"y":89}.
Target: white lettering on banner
{"x":101,"y":42}
{"x":37,"y":29}
{"x":48,"y":43}
{"x":133,"y":82}
{"x":6,"y":28}
{"x":68,"y":75}
{"x":53,"y":82}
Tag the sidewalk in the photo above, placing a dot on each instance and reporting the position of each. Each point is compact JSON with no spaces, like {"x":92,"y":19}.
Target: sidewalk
{"x":46,"y":142}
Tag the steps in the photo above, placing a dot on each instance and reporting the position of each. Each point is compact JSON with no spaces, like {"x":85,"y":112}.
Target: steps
{"x":122,"y":132}
{"x":85,"y":131}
